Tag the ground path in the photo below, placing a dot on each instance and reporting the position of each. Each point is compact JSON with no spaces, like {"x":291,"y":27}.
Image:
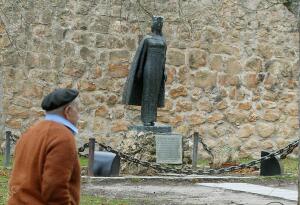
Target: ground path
{"x":164,"y":191}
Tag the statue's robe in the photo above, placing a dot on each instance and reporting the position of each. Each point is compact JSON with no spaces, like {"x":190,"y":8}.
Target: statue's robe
{"x":145,"y":85}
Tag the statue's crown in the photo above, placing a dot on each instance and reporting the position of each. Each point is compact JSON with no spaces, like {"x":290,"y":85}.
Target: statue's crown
{"x":158,"y":19}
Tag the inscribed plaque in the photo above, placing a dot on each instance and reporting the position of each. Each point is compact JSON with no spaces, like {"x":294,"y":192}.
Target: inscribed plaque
{"x":168,"y":148}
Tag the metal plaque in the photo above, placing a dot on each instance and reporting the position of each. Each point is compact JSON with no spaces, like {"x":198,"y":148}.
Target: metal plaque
{"x":168,"y":148}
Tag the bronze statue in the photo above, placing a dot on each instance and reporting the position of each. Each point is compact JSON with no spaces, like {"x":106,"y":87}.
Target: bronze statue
{"x":145,"y":85}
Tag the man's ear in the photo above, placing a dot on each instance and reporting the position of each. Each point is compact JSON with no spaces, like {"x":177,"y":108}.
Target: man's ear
{"x":66,"y":111}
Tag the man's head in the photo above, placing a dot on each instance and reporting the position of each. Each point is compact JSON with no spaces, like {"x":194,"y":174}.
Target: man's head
{"x":157,"y":24}
{"x":62,"y":102}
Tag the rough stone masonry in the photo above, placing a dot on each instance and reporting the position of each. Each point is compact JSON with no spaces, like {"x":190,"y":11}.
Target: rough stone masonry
{"x":232,"y":67}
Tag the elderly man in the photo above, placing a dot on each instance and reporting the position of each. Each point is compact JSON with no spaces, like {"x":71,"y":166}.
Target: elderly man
{"x":46,"y":168}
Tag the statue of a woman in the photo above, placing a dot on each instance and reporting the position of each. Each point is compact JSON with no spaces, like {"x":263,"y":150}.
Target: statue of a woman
{"x":145,"y":85}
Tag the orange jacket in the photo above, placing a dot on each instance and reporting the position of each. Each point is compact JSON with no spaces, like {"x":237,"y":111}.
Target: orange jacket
{"x":46,"y":167}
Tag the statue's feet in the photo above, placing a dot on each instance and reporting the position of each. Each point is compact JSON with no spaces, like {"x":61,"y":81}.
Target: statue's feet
{"x":148,"y":123}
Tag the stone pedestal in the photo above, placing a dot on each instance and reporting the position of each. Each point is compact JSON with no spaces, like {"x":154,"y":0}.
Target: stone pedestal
{"x":154,"y":129}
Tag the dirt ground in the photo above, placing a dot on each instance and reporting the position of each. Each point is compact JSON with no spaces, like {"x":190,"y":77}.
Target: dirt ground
{"x":180,"y":194}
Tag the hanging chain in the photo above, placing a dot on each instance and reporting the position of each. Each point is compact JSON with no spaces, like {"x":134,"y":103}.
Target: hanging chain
{"x":282,"y":153}
{"x":206,"y":148}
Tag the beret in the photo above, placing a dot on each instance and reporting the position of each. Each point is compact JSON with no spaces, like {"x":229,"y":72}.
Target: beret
{"x":58,"y":98}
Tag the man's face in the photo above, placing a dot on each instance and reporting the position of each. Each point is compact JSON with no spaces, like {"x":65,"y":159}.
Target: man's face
{"x":71,"y":112}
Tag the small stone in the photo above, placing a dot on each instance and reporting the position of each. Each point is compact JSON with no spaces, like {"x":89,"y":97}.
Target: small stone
{"x":175,"y":57}
{"x":250,"y":80}
{"x":4,"y":41}
{"x":245,"y":106}
{"x":86,"y":85}
{"x":118,"y":70}
{"x":267,"y":145}
{"x":184,"y":106}
{"x":17,"y":112}
{"x":270,"y":81}
{"x":284,"y":131}
{"x":269,"y":104}
{"x":119,"y":56}
{"x":179,"y":91}
{"x":254,"y":64}
{"x":271,"y":115}
{"x":292,"y":109}
{"x":236,"y":116}
{"x":205,"y":79}
{"x":245,"y":131}
{"x":196,"y":119}
{"x":14,"y":123}
{"x":220,"y":48}
{"x":101,"y":111}
{"x":112,"y":100}
{"x":177,"y":119}
{"x":233,"y":66}
{"x":197,"y":58}
{"x":264,"y":129}
{"x":215,"y":117}
{"x":205,"y":105}
{"x":99,"y":125}
{"x":216,"y":63}
{"x":270,"y":96}
{"x":96,"y":72}
{"x":119,"y":126}
{"x":265,"y":51}
{"x":32,"y":90}
{"x":287,"y":96}
{"x":222,"y":105}
{"x":253,"y":117}
{"x":86,"y":99}
{"x":293,"y":122}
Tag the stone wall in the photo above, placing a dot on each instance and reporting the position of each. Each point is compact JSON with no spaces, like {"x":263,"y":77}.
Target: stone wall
{"x":232,"y":72}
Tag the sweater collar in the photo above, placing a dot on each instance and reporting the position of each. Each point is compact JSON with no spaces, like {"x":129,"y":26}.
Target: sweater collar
{"x":61,"y":120}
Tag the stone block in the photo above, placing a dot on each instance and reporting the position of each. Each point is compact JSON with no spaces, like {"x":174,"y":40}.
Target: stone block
{"x":215,"y":117}
{"x":118,"y":70}
{"x":184,"y":106}
{"x":197,"y":119}
{"x":4,"y":41}
{"x":292,"y":109}
{"x":197,"y":58}
{"x":87,"y":54}
{"x":245,"y":131}
{"x":14,"y":123}
{"x":73,"y":68}
{"x":245,"y":106}
{"x":178,"y":91}
{"x":233,"y":66}
{"x":254,"y":64}
{"x":250,"y":80}
{"x":264,"y":129}
{"x":17,"y":112}
{"x":271,"y":115}
{"x":86,"y":85}
{"x":175,"y":57}
{"x":205,"y":79}
{"x":119,"y":126}
{"x":216,"y":63}
{"x":119,"y":56}
{"x":112,"y":100}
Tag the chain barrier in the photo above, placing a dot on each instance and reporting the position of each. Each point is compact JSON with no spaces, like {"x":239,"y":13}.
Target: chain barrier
{"x":282,"y":153}
{"x":13,"y":138}
{"x":205,"y":147}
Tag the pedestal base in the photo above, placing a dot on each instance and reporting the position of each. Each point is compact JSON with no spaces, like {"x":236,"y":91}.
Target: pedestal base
{"x":154,"y":129}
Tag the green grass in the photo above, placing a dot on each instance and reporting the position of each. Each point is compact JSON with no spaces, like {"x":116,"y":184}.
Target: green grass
{"x":83,"y":161}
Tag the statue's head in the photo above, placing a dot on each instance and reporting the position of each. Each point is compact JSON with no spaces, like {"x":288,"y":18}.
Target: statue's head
{"x":157,"y":24}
